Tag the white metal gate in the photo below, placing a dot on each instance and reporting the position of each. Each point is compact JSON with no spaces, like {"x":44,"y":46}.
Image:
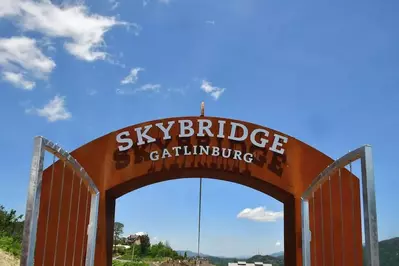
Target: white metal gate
{"x":371,"y":252}
{"x":29,"y":243}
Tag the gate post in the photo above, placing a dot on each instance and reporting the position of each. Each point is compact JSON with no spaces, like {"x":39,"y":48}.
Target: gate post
{"x":370,"y":208}
{"x":33,"y":203}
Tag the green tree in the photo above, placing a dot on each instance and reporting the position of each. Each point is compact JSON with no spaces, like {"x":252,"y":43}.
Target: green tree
{"x":185,"y":254}
{"x":10,"y":224}
{"x":118,"y":231}
{"x":11,"y":231}
{"x":145,"y":245}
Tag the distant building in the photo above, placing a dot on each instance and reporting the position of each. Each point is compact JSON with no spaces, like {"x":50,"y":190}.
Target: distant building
{"x":122,"y":246}
{"x":243,"y":263}
{"x":133,"y":239}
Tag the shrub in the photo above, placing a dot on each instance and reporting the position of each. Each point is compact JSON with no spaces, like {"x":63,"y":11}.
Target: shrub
{"x":10,"y":245}
{"x":133,"y":263}
{"x":121,"y":250}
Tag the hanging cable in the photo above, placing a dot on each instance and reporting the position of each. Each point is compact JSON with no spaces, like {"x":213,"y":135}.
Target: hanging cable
{"x":200,"y":198}
{"x":199,"y":217}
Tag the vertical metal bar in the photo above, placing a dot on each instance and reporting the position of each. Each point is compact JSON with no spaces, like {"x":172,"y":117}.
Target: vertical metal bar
{"x":85,"y":226}
{"x":342,"y":218}
{"x":92,"y":229}
{"x":322,"y":224}
{"x":33,"y":204}
{"x":370,"y":209}
{"x":77,"y":222}
{"x":199,"y":216}
{"x":305,"y":233}
{"x":69,"y":217}
{"x":314,"y":229}
{"x":48,"y":210}
{"x":59,"y":214}
{"x":353,"y":209}
{"x":331,"y":222}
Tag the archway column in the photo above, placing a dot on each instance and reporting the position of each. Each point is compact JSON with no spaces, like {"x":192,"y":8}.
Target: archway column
{"x":104,"y":241}
{"x":292,"y":233}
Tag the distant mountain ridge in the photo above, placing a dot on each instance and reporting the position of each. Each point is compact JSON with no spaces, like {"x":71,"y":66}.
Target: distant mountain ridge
{"x":389,"y":252}
{"x":276,"y":260}
{"x":389,"y":255}
{"x":191,"y":254}
{"x":277,"y":254}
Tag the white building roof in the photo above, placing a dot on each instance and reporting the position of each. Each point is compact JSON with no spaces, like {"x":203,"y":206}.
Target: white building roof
{"x":243,"y":263}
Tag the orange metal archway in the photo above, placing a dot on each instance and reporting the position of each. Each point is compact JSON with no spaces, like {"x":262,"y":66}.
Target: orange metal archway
{"x":268,"y":161}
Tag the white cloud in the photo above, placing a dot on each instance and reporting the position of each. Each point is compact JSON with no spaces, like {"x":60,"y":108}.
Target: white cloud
{"x":132,"y":77}
{"x":260,"y":214}
{"x":8,"y":7}
{"x":22,"y":52}
{"x":18,"y":80}
{"x":145,"y":88}
{"x":114,"y":4}
{"x":149,"y":87}
{"x":84,"y":32}
{"x":214,"y":91}
{"x":54,"y":110}
{"x":141,"y":234}
{"x":210,"y":22}
{"x":278,"y":243}
{"x":146,"y":2}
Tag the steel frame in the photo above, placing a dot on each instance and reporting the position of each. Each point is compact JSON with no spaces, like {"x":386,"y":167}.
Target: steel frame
{"x":41,"y":145}
{"x":363,"y":153}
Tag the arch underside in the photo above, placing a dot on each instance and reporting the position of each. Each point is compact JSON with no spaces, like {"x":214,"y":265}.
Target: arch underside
{"x":275,"y":192}
{"x":248,"y":181}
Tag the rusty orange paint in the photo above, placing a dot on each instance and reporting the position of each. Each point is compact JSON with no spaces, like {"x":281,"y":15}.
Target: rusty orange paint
{"x":284,"y":177}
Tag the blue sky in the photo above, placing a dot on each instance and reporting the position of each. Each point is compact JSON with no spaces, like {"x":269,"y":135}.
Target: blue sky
{"x":325,"y":72}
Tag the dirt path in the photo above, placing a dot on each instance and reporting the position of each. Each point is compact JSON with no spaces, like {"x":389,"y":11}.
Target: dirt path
{"x":8,"y":260}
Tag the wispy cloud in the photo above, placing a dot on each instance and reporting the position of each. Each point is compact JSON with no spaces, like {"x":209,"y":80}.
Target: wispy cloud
{"x":278,"y":243}
{"x":214,"y":91}
{"x":260,"y":214}
{"x":210,"y":22}
{"x":144,"y":88}
{"x":114,"y":4}
{"x":92,"y":92}
{"x":146,"y":2}
{"x":133,"y":76}
{"x":149,"y":87}
{"x":18,"y":80}
{"x":53,"y":111}
{"x":83,"y":32}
